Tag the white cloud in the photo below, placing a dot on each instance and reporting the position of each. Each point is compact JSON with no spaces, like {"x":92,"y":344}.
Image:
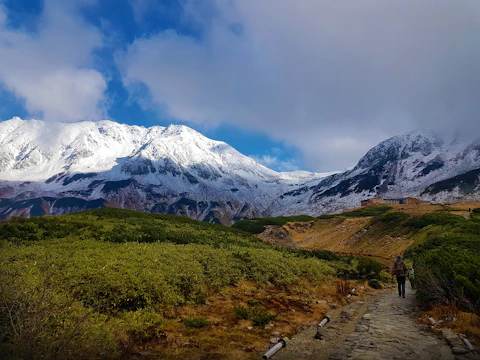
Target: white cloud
{"x":267,"y":160}
{"x":52,"y":69}
{"x":273,"y":162}
{"x":331,"y":78}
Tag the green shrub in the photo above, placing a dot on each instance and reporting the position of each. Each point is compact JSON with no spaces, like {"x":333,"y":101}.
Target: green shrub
{"x":326,"y":217}
{"x":447,"y":274}
{"x":196,"y":323}
{"x":261,"y":317}
{"x":242,"y":311}
{"x":74,"y":281}
{"x":368,"y":268}
{"x":258,"y":225}
{"x":447,"y":261}
{"x":255,"y":313}
{"x":374,"y":284}
{"x":43,"y":322}
{"x":437,"y":218}
{"x":368,"y":211}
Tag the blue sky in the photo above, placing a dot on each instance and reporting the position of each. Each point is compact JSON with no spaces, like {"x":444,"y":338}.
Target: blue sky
{"x":310,"y":86}
{"x":121,"y":22}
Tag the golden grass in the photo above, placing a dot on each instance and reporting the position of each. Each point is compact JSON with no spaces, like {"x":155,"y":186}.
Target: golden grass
{"x":451,"y":317}
{"x":346,"y":235}
{"x":340,"y":235}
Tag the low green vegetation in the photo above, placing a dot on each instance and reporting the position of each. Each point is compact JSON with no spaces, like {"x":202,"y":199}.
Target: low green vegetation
{"x":196,"y":323}
{"x":91,"y":284}
{"x":445,"y":254}
{"x":258,"y":225}
{"x":367,"y":211}
{"x":475,"y":214}
{"x":255,"y":313}
{"x":373,"y":283}
{"x":447,"y":261}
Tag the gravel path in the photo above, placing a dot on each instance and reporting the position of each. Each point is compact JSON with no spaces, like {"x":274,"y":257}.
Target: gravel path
{"x":381,"y":326}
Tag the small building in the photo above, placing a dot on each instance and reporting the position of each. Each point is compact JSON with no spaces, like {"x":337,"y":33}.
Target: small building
{"x":372,"y":201}
{"x":398,"y":201}
{"x":364,"y":202}
{"x":392,"y":201}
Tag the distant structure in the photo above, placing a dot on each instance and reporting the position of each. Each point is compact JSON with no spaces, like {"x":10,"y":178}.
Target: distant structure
{"x":381,"y":201}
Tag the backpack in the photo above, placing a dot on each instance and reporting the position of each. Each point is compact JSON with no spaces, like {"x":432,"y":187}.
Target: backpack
{"x":398,"y":269}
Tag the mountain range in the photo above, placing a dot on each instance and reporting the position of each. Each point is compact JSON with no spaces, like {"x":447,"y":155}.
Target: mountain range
{"x":57,"y":168}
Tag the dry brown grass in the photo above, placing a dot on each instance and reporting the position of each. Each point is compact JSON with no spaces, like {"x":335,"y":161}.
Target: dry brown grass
{"x":343,"y":287}
{"x":450,"y":316}
{"x":343,"y":236}
{"x":228,"y":336}
{"x":346,"y":235}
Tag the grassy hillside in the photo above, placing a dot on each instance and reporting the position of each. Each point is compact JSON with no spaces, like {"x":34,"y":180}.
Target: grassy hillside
{"x":442,"y":241}
{"x":108,"y":283}
{"x":258,"y":225}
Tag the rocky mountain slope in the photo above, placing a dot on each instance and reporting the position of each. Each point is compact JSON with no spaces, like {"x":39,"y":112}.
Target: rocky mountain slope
{"x":48,"y":168}
{"x":420,"y":164}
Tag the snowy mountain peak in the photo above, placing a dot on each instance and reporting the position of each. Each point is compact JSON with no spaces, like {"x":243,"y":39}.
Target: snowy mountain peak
{"x":154,"y":167}
{"x":52,"y":168}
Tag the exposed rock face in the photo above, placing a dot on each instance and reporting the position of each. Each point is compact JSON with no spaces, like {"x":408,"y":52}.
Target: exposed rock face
{"x":60,"y":168}
{"x":419,"y":164}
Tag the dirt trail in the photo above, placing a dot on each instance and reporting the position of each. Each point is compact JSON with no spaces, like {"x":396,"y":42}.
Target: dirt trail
{"x":380,"y":326}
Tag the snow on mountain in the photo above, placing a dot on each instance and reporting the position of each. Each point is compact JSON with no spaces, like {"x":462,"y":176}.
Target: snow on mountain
{"x":163,"y":169}
{"x":51,"y":168}
{"x":420,"y":164}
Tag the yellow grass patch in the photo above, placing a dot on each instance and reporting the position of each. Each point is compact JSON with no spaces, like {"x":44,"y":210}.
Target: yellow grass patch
{"x":451,"y":317}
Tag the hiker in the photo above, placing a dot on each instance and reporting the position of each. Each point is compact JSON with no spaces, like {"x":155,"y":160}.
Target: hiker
{"x":400,"y":271}
{"x":411,"y":276}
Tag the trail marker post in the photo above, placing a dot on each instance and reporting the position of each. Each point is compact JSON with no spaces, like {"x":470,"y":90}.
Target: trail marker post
{"x":281,"y":344}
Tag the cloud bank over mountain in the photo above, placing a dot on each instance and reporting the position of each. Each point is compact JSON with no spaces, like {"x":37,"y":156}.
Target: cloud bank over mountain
{"x":331,"y":78}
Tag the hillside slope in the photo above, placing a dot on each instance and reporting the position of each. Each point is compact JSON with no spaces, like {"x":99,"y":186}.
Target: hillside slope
{"x":441,"y":241}
{"x":110,"y":283}
{"x":353,"y":232}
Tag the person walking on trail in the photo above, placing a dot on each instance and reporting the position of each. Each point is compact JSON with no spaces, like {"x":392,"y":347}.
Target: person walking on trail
{"x":411,"y":276}
{"x":400,"y":270}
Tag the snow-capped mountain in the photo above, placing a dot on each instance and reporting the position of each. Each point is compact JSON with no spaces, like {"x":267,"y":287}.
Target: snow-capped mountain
{"x":51,"y":168}
{"x":420,"y":164}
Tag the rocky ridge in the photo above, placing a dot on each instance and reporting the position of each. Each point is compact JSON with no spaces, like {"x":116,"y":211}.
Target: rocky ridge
{"x":61,"y":168}
{"x":51,"y":168}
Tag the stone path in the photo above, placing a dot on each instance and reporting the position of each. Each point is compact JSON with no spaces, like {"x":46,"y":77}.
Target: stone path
{"x":387,"y":331}
{"x":381,"y":326}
